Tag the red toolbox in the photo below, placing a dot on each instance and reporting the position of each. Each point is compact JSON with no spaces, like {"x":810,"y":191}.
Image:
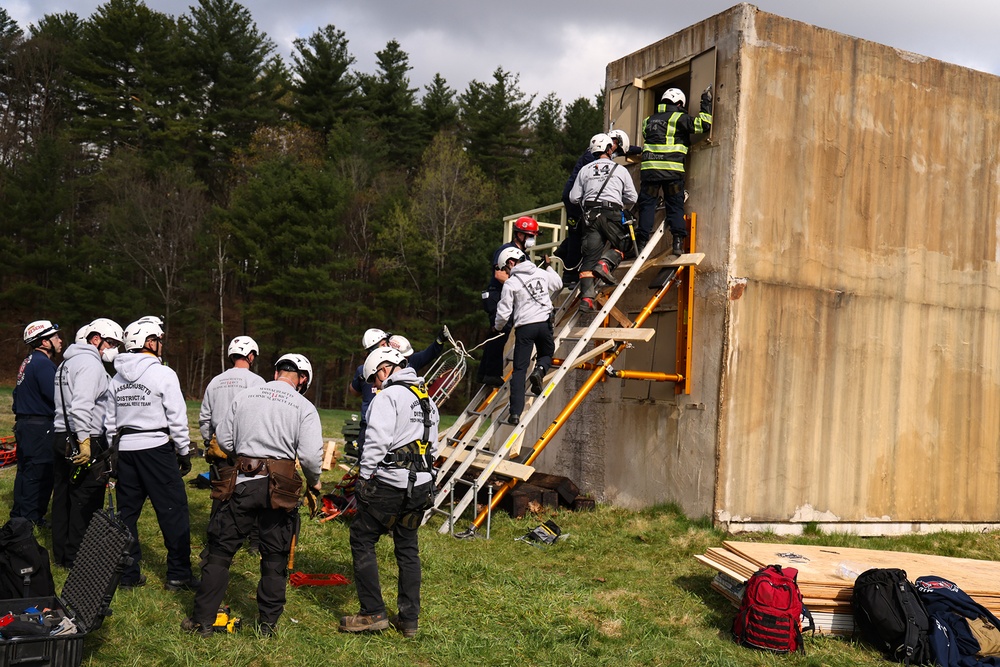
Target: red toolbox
{"x":86,"y":597}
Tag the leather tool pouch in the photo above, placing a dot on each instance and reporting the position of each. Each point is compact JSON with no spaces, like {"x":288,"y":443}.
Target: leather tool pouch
{"x":224,"y":485}
{"x":285,"y":485}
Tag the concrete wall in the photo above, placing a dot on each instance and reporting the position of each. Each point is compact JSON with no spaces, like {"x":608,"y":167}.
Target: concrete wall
{"x":861,"y":372}
{"x":846,"y":316}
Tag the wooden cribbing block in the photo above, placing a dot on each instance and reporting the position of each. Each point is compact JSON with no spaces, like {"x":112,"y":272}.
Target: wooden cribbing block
{"x":515,"y":502}
{"x":329,"y":454}
{"x":584,"y":504}
{"x":564,"y":486}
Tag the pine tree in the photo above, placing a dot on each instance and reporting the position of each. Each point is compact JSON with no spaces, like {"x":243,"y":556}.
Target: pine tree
{"x":438,"y":108}
{"x":494,"y":121}
{"x":324,"y":86}
{"x":391,"y":105}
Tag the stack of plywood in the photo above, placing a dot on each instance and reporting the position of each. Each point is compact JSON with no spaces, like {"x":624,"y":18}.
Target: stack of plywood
{"x":826,"y":592}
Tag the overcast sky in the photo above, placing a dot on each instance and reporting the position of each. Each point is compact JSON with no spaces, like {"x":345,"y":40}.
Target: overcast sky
{"x":563,"y":46}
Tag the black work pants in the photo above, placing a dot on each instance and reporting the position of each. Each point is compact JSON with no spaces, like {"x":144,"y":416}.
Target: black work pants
{"x":604,"y":226}
{"x":492,"y":364}
{"x":33,"y":479}
{"x":673,"y":202}
{"x":537,"y":335}
{"x":73,"y":503}
{"x":366,"y":530}
{"x":152,"y":473}
{"x":247,"y":509}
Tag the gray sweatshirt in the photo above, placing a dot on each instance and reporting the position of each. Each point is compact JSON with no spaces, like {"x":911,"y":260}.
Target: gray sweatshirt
{"x":146,"y":395}
{"x":82,"y":380}
{"x":619,"y":190}
{"x":527,"y":295}
{"x":394,"y":420}
{"x":219,"y":393}
{"x":274,"y":421}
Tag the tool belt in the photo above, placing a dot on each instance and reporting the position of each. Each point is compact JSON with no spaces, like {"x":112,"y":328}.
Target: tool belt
{"x":284,"y":482}
{"x":601,"y":206}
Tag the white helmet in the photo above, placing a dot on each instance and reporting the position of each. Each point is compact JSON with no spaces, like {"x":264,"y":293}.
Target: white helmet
{"x":81,"y":334}
{"x":402,"y":344}
{"x":674,"y":96}
{"x":298,"y":363}
{"x":105,"y":328}
{"x":372,"y":338}
{"x":38,"y":331}
{"x":622,"y":137}
{"x":508,"y":254}
{"x":379,"y":356}
{"x":137,"y":333}
{"x":599,"y":143}
{"x":242,"y":346}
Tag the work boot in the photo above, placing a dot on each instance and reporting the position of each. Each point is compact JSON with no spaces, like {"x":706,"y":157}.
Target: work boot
{"x":406,"y":628}
{"x":189,"y":625}
{"x":364,"y":623}
{"x":678,"y":248}
{"x":570,"y":279}
{"x":513,"y":420}
{"x":175,"y":585}
{"x":535,"y":380}
{"x":493,"y":381}
{"x":129,"y":585}
{"x":603,"y":271}
{"x":587,"y":305}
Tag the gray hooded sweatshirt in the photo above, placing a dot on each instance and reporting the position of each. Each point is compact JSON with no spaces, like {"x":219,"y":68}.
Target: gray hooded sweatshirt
{"x":82,"y":380}
{"x":395,"y":419}
{"x":527,"y":295}
{"x":274,"y":422}
{"x":146,"y":396}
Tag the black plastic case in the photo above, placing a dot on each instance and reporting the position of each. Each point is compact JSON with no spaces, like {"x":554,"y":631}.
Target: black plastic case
{"x":86,"y":597}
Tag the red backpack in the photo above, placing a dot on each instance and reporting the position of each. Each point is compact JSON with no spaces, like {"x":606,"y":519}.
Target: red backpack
{"x":770,"y":613}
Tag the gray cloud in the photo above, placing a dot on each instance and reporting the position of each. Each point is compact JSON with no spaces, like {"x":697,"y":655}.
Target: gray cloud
{"x":563,"y":46}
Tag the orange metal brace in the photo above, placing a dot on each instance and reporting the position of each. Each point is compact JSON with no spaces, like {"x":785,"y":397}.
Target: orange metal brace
{"x":596,"y":376}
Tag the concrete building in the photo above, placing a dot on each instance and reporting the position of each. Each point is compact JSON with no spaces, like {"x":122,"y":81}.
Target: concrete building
{"x":847,"y":314}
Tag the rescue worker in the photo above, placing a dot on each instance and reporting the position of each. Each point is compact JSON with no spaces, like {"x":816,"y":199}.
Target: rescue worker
{"x":602,"y":189}
{"x":374,"y":338}
{"x":147,"y":421}
{"x":394,"y":488}
{"x":666,"y":137}
{"x":491,"y":367}
{"x":34,"y":409}
{"x":221,"y":390}
{"x":526,"y":301}
{"x":267,"y":428}
{"x":569,"y":250}
{"x":80,"y":447}
{"x":418,"y":361}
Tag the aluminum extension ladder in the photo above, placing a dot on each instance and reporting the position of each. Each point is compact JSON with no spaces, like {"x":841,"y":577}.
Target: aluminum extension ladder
{"x":466,"y":444}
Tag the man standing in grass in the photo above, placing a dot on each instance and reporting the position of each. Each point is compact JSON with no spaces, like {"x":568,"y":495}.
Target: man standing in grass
{"x":394,"y":488}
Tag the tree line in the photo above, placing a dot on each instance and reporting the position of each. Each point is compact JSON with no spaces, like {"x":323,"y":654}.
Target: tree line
{"x":179,"y":166}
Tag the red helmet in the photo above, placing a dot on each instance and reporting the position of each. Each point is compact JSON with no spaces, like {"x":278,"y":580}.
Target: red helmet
{"x":526,"y":225}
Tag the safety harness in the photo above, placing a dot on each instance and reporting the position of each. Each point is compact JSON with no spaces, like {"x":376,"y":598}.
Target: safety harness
{"x":414,"y":456}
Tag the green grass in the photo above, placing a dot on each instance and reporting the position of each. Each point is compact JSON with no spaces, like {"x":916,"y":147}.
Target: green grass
{"x":622,"y":589}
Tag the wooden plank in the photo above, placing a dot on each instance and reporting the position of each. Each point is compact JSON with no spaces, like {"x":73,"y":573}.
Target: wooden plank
{"x":505,"y":468}
{"x":616,"y":333}
{"x":329,"y":454}
{"x":818,"y":564}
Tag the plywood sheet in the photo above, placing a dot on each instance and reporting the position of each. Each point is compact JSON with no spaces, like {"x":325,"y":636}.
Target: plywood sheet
{"x":818,"y":564}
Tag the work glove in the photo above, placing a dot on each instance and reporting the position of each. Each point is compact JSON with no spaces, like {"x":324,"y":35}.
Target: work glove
{"x":214,"y":453}
{"x":184,"y":463}
{"x":312,"y":500}
{"x":443,"y":335}
{"x":706,"y":100}
{"x":364,"y":489}
{"x":82,"y":456}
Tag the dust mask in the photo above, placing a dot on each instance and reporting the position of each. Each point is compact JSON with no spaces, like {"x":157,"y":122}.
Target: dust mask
{"x":529,"y":242}
{"x":109,"y":354}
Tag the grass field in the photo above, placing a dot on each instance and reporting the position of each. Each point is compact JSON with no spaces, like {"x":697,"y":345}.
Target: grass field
{"x":622,"y":589}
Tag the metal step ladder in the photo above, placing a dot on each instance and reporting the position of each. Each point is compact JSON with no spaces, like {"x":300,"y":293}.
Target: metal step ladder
{"x":479,"y":428}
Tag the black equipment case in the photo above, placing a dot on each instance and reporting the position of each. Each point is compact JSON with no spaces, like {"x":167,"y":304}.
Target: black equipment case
{"x":86,"y":597}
